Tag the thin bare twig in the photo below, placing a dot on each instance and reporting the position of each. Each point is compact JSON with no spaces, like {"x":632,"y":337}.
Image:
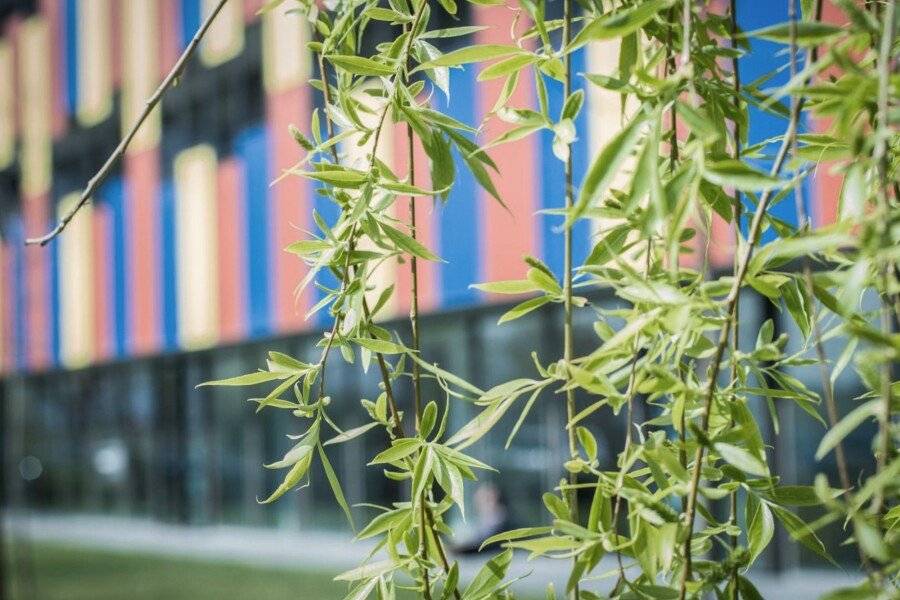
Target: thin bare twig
{"x":117,"y":154}
{"x":736,"y":319}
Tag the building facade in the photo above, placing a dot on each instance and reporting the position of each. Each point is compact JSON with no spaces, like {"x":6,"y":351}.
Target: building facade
{"x":175,"y":272}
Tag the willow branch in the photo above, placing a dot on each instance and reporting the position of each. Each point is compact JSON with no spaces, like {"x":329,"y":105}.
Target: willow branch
{"x":117,"y":154}
{"x":730,"y":304}
{"x":880,"y":156}
{"x":567,"y":284}
{"x":736,"y":320}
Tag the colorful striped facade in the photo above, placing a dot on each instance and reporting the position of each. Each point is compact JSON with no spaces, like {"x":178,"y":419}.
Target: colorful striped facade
{"x":183,"y":246}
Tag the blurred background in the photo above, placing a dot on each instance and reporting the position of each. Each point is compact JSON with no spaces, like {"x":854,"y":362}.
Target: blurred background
{"x":118,"y":476}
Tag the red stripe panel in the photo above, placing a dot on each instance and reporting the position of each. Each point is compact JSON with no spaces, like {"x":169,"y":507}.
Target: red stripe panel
{"x":826,"y":184}
{"x":37,"y":283}
{"x":115,"y":39}
{"x":509,"y":234}
{"x":170,"y":34}
{"x":290,"y":209}
{"x":251,"y":7}
{"x":426,"y":232}
{"x":103,"y":292}
{"x":52,"y":11}
{"x":142,"y":212}
{"x":232,"y":249}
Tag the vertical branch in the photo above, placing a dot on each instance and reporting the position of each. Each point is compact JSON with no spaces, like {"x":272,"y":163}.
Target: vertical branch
{"x":880,"y":156}
{"x":746,"y":253}
{"x":567,"y":281}
{"x":427,"y":522}
{"x":804,"y":222}
{"x":737,"y":207}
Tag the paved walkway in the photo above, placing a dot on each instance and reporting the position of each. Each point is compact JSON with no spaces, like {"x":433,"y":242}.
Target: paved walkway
{"x":328,"y":550}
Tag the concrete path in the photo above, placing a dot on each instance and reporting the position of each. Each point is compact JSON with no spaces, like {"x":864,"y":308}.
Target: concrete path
{"x":315,"y":550}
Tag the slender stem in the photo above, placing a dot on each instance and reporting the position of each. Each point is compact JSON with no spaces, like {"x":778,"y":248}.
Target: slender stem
{"x":880,"y":156}
{"x":117,"y":154}
{"x":414,"y":267}
{"x":567,"y":283}
{"x":804,"y":222}
{"x":736,"y":319}
{"x":630,"y":393}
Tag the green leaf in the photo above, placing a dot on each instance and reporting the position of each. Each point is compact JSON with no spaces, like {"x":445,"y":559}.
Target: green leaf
{"x":506,"y":66}
{"x":605,"y":167}
{"x":760,"y":526}
{"x":429,"y":418}
{"x":737,"y":174}
{"x":516,"y":534}
{"x":451,"y":32}
{"x":618,"y":24}
{"x":384,"y":522}
{"x":248,"y":379}
{"x":515,"y":286}
{"x":523,"y":308}
{"x":801,"y":532}
{"x":409,"y":244}
{"x":340,"y":178}
{"x":399,"y":450}
{"x":489,"y":577}
{"x":588,"y":442}
{"x":351,"y":433}
{"x":809,"y":33}
{"x":374,"y":569}
{"x":360,"y":65}
{"x":845,"y":426}
{"x":336,"y":486}
{"x":742,"y":459}
{"x":470,"y":54}
{"x":291,"y":479}
{"x":380,"y":346}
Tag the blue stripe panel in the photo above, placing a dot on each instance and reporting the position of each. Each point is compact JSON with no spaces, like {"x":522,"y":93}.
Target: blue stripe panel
{"x":169,"y":273}
{"x":113,"y":194}
{"x":20,"y":302}
{"x":459,"y":218}
{"x":251,"y":147}
{"x":552,"y":174}
{"x":71,"y":25}
{"x":190,"y":20}
{"x":763,"y":57}
{"x":329,"y":211}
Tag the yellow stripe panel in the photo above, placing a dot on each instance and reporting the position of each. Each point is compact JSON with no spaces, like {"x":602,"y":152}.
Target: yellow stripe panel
{"x":7,"y":106}
{"x":140,"y":69}
{"x":225,"y":38}
{"x":196,"y":234}
{"x":359,"y":158}
{"x":286,"y":60}
{"x":76,"y":286}
{"x":34,"y":104}
{"x":605,"y":118}
{"x":94,"y":61}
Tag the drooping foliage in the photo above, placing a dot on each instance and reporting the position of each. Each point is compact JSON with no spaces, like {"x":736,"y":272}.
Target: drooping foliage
{"x":679,"y":162}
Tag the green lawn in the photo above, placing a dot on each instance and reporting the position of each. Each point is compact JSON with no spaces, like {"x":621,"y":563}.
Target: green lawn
{"x":63,"y":573}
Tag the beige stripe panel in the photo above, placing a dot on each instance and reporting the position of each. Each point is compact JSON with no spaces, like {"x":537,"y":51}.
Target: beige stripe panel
{"x":76,"y":285}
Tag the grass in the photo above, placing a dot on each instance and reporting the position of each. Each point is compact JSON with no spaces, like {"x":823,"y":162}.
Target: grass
{"x":66,"y":573}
